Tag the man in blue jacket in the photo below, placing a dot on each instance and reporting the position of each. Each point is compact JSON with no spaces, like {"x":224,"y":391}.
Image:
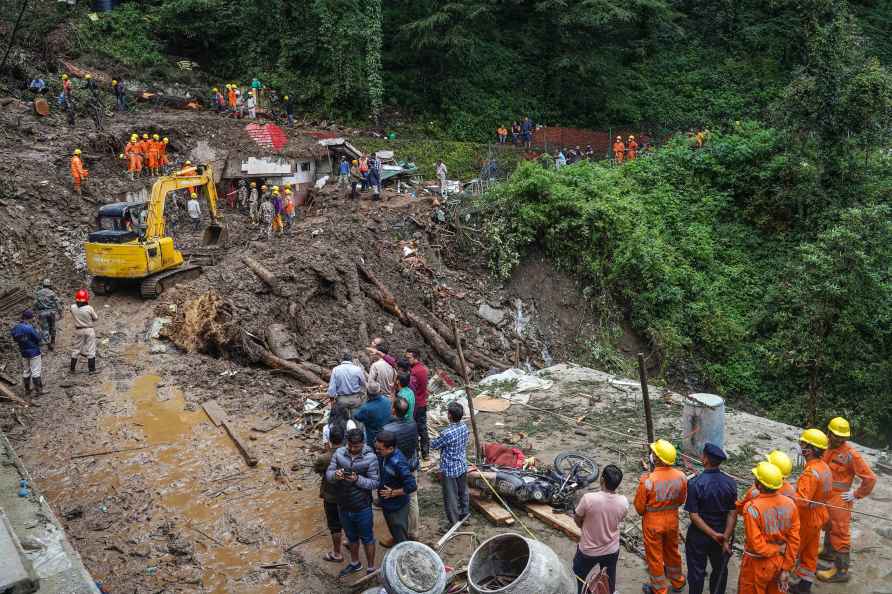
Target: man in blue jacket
{"x":397,"y":483}
{"x":28,"y":340}
{"x":374,"y":413}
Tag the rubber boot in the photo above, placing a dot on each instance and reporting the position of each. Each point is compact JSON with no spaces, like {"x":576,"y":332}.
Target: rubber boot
{"x":827,"y":553}
{"x":91,"y":365}
{"x":38,"y":383}
{"x":839,"y":573}
{"x":72,"y":365}
{"x":802,"y":587}
{"x":52,"y":344}
{"x":27,"y":383}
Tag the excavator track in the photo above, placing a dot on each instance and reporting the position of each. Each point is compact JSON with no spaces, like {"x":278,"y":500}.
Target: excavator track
{"x":154,"y":285}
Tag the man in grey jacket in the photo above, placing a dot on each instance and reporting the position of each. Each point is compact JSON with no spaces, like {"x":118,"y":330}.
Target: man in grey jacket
{"x":354,"y":472}
{"x":47,"y":306}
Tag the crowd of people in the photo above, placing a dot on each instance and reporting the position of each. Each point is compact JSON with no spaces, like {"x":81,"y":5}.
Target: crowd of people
{"x":521,"y":133}
{"x":782,"y":521}
{"x":232,"y":101}
{"x":376,"y":438}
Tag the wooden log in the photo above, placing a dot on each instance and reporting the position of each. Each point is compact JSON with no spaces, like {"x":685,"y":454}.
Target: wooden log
{"x":436,"y":341}
{"x":322,"y":372}
{"x":7,"y":394}
{"x":296,"y":369}
{"x":263,"y":273}
{"x":246,"y":451}
{"x":214,"y":412}
{"x":386,"y":295}
{"x":389,"y":306}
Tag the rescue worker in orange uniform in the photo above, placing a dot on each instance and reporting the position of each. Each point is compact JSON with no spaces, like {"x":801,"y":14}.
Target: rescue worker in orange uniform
{"x":232,"y":97}
{"x":163,"y":152}
{"x":660,"y":493}
{"x":619,"y":149}
{"x":631,"y":149}
{"x":771,"y":525}
{"x":812,"y":491}
{"x":78,"y":171}
{"x":134,"y":159}
{"x":154,"y":153}
{"x":143,"y":146}
{"x":783,"y":462}
{"x":845,"y":464}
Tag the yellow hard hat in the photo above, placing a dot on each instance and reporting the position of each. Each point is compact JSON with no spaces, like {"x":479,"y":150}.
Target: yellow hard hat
{"x":275,"y":192}
{"x":769,"y":475}
{"x":145,"y":136}
{"x":216,"y":90}
{"x":133,"y":137}
{"x":287,"y":190}
{"x":165,"y":141}
{"x":64,"y":77}
{"x":286,"y":97}
{"x":114,"y":81}
{"x":782,"y":461}
{"x":88,"y":77}
{"x":121,"y":156}
{"x":664,"y":450}
{"x":156,"y":137}
{"x":355,"y":162}
{"x":275,"y":188}
{"x":815,"y":437}
{"x":253,"y":184}
{"x":840,"y":427}
{"x":77,"y":151}
{"x":188,"y":162}
{"x":631,"y":137}
{"x":193,"y":195}
{"x":619,"y":137}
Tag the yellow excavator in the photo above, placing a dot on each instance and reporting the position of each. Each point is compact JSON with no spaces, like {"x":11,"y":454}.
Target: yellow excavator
{"x":130,"y":245}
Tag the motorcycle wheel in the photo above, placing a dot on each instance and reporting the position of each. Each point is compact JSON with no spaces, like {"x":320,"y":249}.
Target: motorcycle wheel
{"x":587,"y":470}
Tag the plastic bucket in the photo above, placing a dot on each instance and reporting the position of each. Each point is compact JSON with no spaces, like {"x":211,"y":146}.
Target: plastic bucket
{"x":703,"y":418}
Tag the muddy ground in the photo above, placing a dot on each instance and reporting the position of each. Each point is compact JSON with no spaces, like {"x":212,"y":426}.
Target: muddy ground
{"x":158,"y":499}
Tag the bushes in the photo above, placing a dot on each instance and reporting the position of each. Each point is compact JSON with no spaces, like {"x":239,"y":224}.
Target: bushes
{"x":784,"y":315}
{"x":463,"y":159}
{"x":124,"y":35}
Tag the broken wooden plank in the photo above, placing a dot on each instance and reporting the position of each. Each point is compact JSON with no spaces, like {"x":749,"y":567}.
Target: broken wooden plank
{"x":107,"y":452}
{"x":246,"y":451}
{"x":493,"y":510}
{"x":562,"y":522}
{"x":215,"y":412}
{"x":7,"y":394}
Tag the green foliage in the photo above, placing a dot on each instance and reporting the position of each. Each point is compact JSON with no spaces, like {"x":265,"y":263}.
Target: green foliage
{"x":124,"y":35}
{"x":463,"y":159}
{"x":688,"y":245}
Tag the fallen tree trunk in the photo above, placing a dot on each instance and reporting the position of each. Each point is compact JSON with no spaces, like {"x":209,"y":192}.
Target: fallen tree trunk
{"x":436,"y":341}
{"x":317,"y":369}
{"x":386,"y":297}
{"x":474,"y":357}
{"x":387,"y":305}
{"x":297,"y":370}
{"x":7,"y":394}
{"x":263,"y":273}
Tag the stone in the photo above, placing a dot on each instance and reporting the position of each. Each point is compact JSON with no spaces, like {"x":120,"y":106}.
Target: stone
{"x":491,"y":314}
{"x":16,"y":573}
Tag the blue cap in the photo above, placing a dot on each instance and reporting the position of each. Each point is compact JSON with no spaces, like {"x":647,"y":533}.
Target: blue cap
{"x":714,"y":451}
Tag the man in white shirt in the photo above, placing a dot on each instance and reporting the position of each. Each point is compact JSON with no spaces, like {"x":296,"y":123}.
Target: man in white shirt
{"x":600,"y":515}
{"x":194,"y":210}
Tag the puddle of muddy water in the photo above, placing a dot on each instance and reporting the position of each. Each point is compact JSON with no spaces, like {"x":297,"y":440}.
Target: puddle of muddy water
{"x":186,"y":454}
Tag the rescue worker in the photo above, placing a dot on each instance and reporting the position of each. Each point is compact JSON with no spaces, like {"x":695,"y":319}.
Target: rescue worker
{"x":47,"y":306}
{"x":783,"y":462}
{"x":188,"y":169}
{"x":85,"y":334}
{"x":631,"y":149}
{"x":267,"y":212}
{"x":288,"y":209}
{"x":619,"y":149}
{"x":216,"y":99}
{"x":845,"y":464}
{"x":660,"y":493}
{"x":771,"y":526}
{"x":28,"y":340}
{"x":163,"y":152}
{"x":154,"y":153}
{"x":143,"y":146}
{"x":78,"y":171}
{"x":232,"y":97}
{"x":251,"y":104}
{"x":278,"y":208}
{"x":134,"y":159}
{"x":253,"y":203}
{"x":710,"y":503}
{"x":242,"y":195}
{"x":66,"y":87}
{"x":812,"y":490}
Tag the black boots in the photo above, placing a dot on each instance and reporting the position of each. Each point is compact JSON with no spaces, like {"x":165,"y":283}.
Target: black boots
{"x":803,"y":587}
{"x":38,"y":384}
{"x":91,"y":365}
{"x":73,"y":364}
{"x":27,"y":382}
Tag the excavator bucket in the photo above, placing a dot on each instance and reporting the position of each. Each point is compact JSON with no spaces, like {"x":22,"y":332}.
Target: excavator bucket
{"x":215,"y":235}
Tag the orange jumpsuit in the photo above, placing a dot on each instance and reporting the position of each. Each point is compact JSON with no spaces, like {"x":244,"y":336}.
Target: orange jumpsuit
{"x":162,"y":153}
{"x":632,"y":149}
{"x":771,"y":523}
{"x":845,"y":464}
{"x":619,"y":149}
{"x":786,"y":490}
{"x":814,"y":484}
{"x":154,"y":157}
{"x":660,"y":494}
{"x":232,"y":98}
{"x":134,"y":159}
{"x":78,"y":172}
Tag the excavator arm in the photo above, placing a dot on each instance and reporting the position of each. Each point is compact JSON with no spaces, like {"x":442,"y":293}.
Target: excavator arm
{"x":203,"y":176}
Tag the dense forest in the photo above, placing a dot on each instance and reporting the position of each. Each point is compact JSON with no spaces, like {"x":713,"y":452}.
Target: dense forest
{"x":759,"y":265}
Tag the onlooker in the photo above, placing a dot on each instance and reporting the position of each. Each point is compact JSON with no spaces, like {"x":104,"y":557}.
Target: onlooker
{"x":406,"y":432}
{"x":515,"y":133}
{"x":354,"y":178}
{"x":381,"y":371}
{"x":442,"y":172}
{"x":406,"y":393}
{"x":364,"y":172}
{"x":561,"y":160}
{"x":28,"y":340}
{"x":339,"y":418}
{"x":526,"y":129}
{"x":374,"y":178}
{"x":46,"y":303}
{"x":355,"y":468}
{"x":343,"y":173}
{"x":347,"y":383}
{"x":453,"y":445}
{"x":418,"y":384}
{"x":397,"y":483}
{"x":328,"y":494}
{"x":375,"y":413}
{"x":194,"y":210}
{"x":502,"y":134}
{"x":600,"y":515}
{"x":289,"y":109}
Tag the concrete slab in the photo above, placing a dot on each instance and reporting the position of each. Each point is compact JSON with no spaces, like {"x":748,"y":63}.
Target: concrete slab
{"x":16,"y":574}
{"x":54,"y":561}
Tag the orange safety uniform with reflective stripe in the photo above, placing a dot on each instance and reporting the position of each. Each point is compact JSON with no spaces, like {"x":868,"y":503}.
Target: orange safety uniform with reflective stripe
{"x":78,"y":172}
{"x":134,"y":159}
{"x":771,"y":523}
{"x":619,"y":150}
{"x":232,"y":98}
{"x":632,"y":150}
{"x":162,"y":153}
{"x":660,"y":494}
{"x":845,"y":464}
{"x":787,"y":490}
{"x":815,"y":485}
{"x":153,"y":155}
